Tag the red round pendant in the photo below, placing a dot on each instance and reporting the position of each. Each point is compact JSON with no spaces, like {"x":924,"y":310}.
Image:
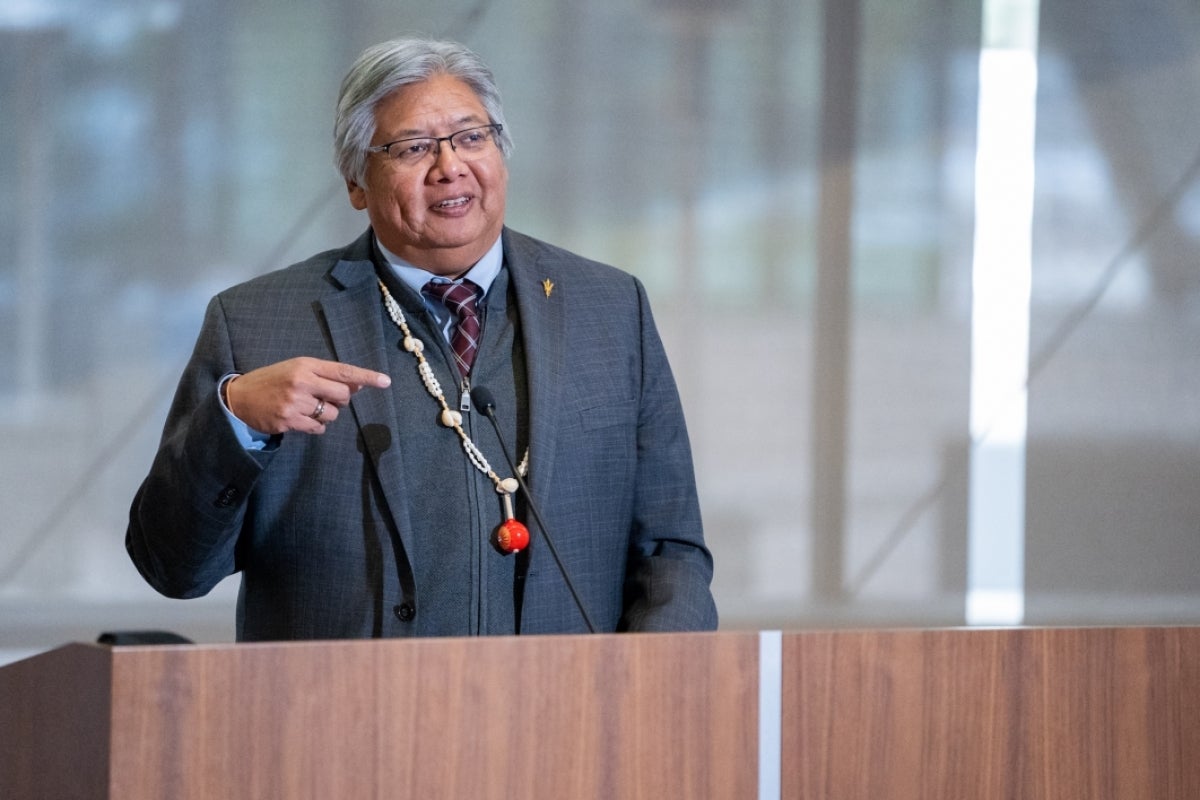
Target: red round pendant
{"x":511,"y":537}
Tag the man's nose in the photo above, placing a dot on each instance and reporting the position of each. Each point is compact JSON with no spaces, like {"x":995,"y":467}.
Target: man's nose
{"x":446,"y":160}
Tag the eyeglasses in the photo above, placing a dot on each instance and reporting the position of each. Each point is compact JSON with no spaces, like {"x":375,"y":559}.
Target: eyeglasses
{"x":468,"y":144}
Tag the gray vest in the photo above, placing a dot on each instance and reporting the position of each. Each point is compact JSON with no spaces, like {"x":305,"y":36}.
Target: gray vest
{"x":462,"y":586}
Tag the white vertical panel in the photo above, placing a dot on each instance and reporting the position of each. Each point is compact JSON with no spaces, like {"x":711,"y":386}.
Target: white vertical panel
{"x":1001,"y":280}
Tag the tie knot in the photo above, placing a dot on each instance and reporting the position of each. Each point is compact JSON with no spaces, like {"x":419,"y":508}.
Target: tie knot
{"x":459,"y":298}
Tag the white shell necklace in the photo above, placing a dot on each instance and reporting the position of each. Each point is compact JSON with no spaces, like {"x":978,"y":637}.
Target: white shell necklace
{"x":451,"y":418}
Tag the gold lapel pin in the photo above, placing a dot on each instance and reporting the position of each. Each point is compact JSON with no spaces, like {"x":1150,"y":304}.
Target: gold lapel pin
{"x":548,"y":286}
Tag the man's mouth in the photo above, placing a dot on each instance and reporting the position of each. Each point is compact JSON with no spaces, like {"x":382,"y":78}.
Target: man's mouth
{"x":453,"y":202}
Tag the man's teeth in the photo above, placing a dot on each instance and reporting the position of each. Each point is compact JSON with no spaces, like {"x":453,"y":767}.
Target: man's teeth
{"x":458,"y":201}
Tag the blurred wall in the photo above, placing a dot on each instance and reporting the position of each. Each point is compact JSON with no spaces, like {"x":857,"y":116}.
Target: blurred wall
{"x":154,"y":151}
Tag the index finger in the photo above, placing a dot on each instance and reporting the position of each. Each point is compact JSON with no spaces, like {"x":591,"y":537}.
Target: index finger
{"x":352,"y":376}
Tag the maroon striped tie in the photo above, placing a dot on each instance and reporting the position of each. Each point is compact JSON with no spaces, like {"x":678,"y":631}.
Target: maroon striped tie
{"x":460,"y":298}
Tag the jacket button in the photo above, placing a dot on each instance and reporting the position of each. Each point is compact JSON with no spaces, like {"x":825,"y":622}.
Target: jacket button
{"x":227,"y":497}
{"x":404,"y":612}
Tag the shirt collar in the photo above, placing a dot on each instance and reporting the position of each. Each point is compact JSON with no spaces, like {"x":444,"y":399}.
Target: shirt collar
{"x":482,"y":274}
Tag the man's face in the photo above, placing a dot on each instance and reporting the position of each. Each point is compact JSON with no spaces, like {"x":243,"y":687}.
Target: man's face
{"x":444,"y":213}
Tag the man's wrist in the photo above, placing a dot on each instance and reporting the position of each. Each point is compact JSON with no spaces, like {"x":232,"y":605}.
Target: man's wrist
{"x":249,"y":438}
{"x":223,"y":390}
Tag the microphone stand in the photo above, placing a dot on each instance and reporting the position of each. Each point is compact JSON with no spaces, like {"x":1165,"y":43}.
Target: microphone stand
{"x":487,"y":404}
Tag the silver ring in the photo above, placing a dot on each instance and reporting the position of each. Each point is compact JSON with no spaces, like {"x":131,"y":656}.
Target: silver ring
{"x":318,"y":411}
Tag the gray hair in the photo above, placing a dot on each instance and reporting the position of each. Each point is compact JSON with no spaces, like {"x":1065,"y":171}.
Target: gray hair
{"x":383,"y":69}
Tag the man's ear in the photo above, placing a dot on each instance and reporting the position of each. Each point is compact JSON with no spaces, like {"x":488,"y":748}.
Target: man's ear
{"x":358,"y":195}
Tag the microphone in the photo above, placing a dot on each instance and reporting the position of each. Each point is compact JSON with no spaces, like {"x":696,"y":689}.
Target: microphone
{"x":485,"y":402}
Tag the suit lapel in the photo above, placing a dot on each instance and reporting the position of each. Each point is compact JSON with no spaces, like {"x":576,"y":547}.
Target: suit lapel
{"x":543,"y":330}
{"x":356,"y":332}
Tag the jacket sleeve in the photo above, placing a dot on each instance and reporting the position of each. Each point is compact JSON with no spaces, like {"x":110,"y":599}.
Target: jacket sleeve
{"x":670,"y":569}
{"x":188,"y":514}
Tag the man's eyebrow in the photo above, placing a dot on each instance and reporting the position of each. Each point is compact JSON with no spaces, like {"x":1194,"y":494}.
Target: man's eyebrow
{"x":459,"y":124}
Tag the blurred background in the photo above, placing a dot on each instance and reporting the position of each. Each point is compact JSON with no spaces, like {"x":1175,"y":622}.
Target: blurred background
{"x":927,"y":271}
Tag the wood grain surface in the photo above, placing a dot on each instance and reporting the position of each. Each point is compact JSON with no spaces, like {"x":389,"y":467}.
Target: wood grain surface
{"x":1085,"y":714}
{"x":537,"y":717}
{"x":54,"y":725}
{"x":1020,"y":714}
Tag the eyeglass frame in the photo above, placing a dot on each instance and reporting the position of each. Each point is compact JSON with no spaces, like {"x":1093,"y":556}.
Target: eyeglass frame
{"x":436,"y":150}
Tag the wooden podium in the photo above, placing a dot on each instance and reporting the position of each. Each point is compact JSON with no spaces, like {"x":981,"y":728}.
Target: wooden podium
{"x":955,"y":714}
{"x":530,"y":717}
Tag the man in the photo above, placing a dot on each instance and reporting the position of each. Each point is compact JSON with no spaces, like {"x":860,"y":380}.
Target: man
{"x":323,"y":439}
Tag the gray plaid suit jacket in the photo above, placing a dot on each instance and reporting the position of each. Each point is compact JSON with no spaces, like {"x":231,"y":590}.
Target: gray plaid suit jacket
{"x":612,"y":471}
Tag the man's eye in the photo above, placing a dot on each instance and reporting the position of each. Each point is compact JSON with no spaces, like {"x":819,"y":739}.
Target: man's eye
{"x":412,"y":150}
